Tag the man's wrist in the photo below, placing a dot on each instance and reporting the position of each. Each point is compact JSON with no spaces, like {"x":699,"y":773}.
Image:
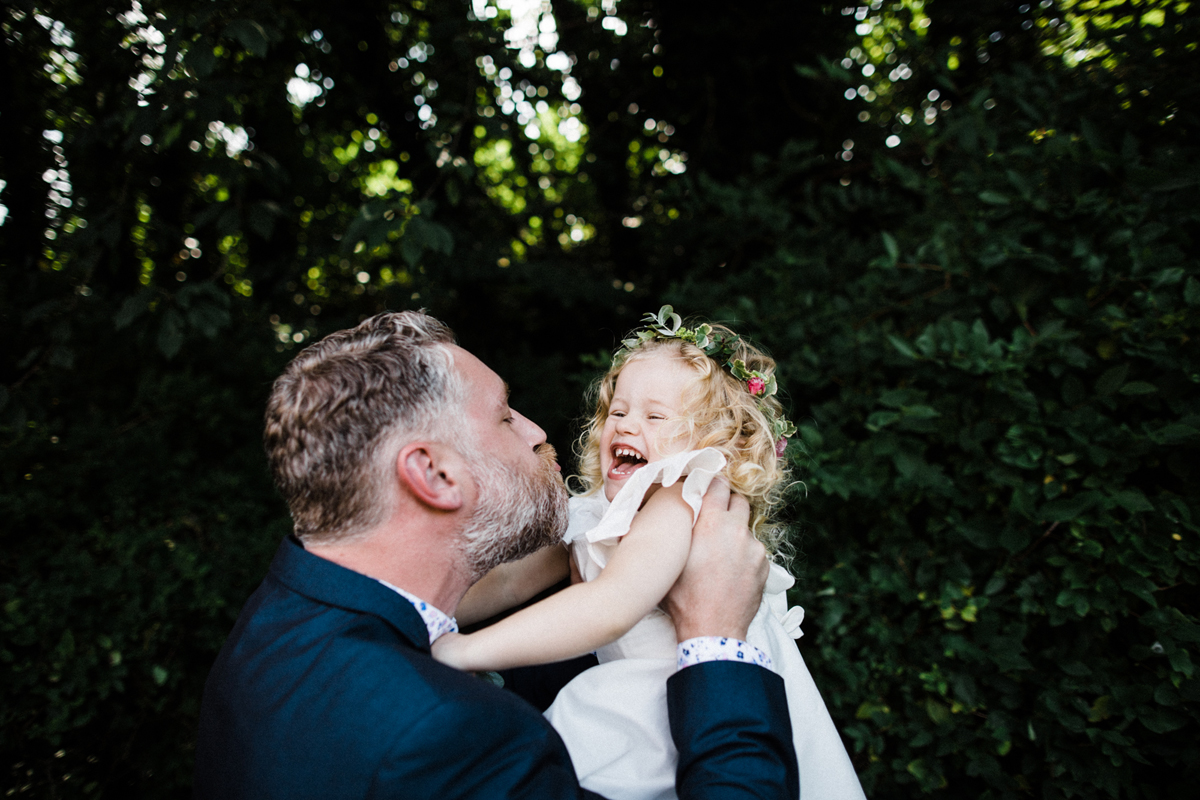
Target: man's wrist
{"x":702,"y":649}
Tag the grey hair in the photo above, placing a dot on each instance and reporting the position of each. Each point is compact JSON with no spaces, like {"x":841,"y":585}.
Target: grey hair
{"x":339,"y":408}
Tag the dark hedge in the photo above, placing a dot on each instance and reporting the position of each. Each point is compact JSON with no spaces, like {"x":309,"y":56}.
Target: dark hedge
{"x":987,"y":329}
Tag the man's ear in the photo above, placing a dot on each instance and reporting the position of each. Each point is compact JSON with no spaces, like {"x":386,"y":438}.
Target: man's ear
{"x":430,"y":472}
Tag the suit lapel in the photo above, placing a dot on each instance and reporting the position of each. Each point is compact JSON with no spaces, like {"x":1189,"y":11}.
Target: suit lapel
{"x":328,"y":583}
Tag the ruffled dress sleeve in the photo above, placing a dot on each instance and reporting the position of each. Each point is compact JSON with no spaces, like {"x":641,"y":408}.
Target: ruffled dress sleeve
{"x":596,"y":526}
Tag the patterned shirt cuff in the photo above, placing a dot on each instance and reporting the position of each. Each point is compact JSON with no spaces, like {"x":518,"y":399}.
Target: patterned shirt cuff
{"x":719,"y":648}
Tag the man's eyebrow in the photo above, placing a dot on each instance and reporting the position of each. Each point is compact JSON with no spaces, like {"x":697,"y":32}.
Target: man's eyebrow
{"x":502,"y":406}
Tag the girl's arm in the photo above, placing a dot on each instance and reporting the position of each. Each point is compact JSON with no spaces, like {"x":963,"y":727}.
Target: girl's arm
{"x":509,"y":585}
{"x":585,"y":616}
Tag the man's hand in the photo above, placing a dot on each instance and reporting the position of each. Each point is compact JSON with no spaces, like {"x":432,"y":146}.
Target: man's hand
{"x":721,"y":586}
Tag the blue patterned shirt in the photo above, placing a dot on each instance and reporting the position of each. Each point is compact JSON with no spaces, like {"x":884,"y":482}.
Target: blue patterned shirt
{"x":436,"y":620}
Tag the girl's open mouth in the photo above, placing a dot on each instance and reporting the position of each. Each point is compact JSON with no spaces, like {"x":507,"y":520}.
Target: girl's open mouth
{"x":625,"y":462}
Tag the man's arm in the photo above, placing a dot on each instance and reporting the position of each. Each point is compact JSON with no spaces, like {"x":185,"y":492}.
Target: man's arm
{"x":730,"y":724}
{"x":729,"y":720}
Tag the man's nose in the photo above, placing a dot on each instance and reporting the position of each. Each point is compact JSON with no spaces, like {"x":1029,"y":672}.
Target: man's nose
{"x":528,"y":429}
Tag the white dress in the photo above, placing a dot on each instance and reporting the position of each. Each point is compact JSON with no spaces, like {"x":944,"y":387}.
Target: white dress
{"x":613,"y":717}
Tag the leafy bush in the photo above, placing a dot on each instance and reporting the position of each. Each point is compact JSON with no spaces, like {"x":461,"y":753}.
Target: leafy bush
{"x":128,"y":551}
{"x":990,"y":342}
{"x":966,"y":228}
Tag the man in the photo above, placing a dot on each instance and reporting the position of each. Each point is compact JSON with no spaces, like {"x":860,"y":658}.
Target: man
{"x":408,"y":478}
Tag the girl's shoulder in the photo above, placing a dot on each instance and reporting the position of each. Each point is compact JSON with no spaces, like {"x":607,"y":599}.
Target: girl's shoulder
{"x":659,"y":495}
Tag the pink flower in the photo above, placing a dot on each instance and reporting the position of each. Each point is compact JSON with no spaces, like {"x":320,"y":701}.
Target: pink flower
{"x":756,"y":385}
{"x":780,"y":446}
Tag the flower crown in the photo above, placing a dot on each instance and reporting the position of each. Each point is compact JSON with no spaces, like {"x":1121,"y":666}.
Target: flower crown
{"x":720,"y":347}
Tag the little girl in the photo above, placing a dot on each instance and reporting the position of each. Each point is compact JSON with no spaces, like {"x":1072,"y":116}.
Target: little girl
{"x":678,"y":407}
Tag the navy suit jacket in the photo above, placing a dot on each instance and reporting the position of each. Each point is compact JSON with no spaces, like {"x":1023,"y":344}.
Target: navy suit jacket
{"x":326,"y":689}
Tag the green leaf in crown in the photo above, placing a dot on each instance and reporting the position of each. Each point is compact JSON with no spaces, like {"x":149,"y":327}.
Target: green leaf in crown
{"x":720,"y":347}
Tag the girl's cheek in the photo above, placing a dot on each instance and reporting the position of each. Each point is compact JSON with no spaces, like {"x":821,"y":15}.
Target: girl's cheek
{"x":668,"y":442}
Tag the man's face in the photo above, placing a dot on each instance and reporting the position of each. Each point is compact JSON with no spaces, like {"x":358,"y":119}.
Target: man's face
{"x":496,"y":428}
{"x":521,"y":502}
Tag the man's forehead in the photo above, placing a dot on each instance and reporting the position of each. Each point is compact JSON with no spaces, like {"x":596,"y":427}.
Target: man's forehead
{"x":481,"y":378}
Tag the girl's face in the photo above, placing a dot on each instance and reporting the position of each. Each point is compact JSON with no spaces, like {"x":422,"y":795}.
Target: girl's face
{"x":649,"y":392}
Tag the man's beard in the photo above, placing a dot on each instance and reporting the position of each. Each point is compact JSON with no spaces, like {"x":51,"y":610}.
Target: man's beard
{"x":517,"y":514}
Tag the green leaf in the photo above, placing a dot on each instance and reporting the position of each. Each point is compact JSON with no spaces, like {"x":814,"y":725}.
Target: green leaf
{"x":1133,"y":500}
{"x":1069,"y":508}
{"x":133,"y":307}
{"x":994,"y":198}
{"x":1112,"y":380}
{"x":411,"y":249}
{"x":936,"y":711}
{"x":1100,"y":709}
{"x":1191,"y":292}
{"x":811,"y":437}
{"x":494,"y":678}
{"x":422,"y":234}
{"x":1162,"y":720}
{"x":893,"y":249}
{"x":1173,"y":433}
{"x":902,"y":346}
{"x":881,"y":419}
{"x":1168,"y":277}
{"x":261,"y":217}
{"x":250,"y":34}
{"x":1181,"y":661}
{"x":372,"y":225}
{"x":908,"y":177}
{"x":200,"y":58}
{"x":1139,"y":387}
{"x":170,"y":333}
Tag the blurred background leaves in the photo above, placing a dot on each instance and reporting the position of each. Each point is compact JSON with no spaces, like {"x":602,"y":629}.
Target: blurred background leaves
{"x":965,"y":229}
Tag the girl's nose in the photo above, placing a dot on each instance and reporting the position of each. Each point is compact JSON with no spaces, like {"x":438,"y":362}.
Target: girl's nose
{"x":627,"y":424}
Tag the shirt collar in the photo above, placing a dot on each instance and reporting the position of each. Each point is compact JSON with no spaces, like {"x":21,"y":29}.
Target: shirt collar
{"x":436,"y":620}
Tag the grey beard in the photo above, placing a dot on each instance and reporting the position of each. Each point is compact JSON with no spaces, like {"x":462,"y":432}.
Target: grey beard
{"x":517,"y":514}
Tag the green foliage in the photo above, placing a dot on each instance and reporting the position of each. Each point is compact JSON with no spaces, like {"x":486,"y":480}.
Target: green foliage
{"x":990,"y":344}
{"x":979,"y":276}
{"x":128,"y":550}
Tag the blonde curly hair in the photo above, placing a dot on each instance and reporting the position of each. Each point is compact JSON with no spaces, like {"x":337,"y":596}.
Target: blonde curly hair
{"x":718,"y":412}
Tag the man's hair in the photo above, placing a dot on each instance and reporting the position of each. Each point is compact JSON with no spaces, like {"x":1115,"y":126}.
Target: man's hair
{"x":338,"y":405}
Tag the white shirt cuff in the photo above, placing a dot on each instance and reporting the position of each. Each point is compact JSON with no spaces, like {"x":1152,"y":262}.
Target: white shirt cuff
{"x":719,"y":648}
